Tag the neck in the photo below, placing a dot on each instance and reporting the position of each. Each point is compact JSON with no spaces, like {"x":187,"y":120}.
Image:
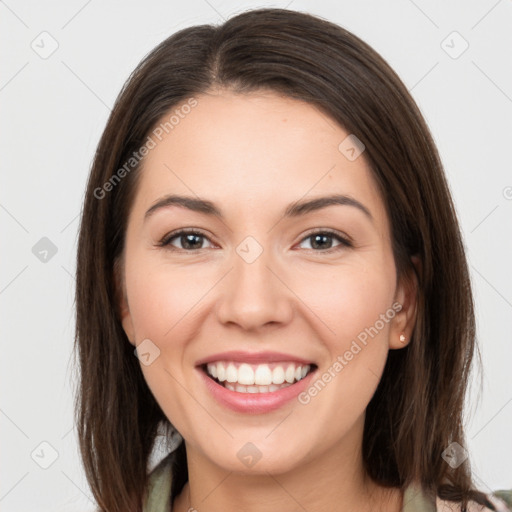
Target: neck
{"x":334,"y":480}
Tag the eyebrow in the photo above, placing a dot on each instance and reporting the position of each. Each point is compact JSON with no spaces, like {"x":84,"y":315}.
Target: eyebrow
{"x":295,"y":209}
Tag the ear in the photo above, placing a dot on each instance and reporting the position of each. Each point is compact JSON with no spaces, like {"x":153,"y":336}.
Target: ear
{"x":402,"y":325}
{"x":123,"y":309}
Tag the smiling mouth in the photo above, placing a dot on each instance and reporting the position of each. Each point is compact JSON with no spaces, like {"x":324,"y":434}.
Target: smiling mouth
{"x":256,"y":378}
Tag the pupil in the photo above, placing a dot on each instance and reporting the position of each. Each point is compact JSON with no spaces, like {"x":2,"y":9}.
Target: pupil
{"x":189,"y":241}
{"x":316,"y":238}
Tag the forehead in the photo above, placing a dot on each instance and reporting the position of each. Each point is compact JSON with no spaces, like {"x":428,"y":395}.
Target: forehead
{"x":245,"y":150}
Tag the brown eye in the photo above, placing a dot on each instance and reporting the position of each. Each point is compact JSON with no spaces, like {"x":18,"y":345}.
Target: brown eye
{"x":321,"y":241}
{"x":188,"y":240}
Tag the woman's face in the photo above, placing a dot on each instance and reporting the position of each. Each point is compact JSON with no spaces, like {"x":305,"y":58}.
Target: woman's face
{"x":256,"y":298}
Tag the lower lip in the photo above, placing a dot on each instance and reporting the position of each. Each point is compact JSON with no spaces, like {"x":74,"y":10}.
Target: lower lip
{"x":254,"y":403}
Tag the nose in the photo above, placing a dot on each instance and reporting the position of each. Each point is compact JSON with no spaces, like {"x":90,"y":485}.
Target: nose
{"x":254,"y":295}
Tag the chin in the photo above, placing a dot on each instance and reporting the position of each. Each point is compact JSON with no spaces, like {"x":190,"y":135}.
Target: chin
{"x":258,"y":457}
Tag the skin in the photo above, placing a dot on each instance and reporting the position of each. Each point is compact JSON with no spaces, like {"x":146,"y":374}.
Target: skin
{"x":253,"y":155}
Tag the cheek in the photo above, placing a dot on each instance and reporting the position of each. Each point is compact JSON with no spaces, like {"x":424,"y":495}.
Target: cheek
{"x":161,"y":299}
{"x":348,"y":299}
{"x":162,"y":303}
{"x":354,"y":302}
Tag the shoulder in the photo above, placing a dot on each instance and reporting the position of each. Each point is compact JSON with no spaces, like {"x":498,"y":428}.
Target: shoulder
{"x":449,"y":506}
{"x":158,"y":496}
{"x":417,"y":499}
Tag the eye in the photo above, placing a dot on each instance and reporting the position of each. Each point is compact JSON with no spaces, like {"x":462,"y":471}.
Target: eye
{"x":192,"y":240}
{"x":323,"y":240}
{"x":189,"y":240}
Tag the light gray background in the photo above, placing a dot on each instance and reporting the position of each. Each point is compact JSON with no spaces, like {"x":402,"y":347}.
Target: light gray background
{"x":53,"y":112}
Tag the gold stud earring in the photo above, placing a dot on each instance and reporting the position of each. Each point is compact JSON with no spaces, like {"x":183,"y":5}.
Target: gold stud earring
{"x":402,"y":338}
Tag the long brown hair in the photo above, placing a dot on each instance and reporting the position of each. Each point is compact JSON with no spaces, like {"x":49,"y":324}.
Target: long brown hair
{"x":416,"y":411}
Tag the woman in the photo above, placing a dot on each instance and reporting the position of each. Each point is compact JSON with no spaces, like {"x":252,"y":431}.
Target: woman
{"x":268,"y":228}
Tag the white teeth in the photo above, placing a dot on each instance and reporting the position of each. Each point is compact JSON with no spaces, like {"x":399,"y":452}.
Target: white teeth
{"x":278,"y":374}
{"x":231,"y":373}
{"x":221,"y":372}
{"x":259,"y":378}
{"x":263,"y":375}
{"x":212,"y":370}
{"x":245,"y":374}
{"x":254,"y":389}
{"x":290,"y":373}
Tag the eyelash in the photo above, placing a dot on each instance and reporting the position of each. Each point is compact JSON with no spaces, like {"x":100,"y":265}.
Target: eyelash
{"x":344,"y":242}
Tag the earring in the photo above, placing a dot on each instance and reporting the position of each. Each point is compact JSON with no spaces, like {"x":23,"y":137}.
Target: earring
{"x":402,"y":338}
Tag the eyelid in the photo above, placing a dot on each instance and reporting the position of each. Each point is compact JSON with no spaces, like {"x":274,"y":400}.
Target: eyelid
{"x":346,"y":241}
{"x":165,"y":241}
{"x":338,"y":234}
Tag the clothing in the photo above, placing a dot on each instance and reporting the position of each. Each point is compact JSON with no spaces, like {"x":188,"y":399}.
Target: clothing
{"x":160,"y":479}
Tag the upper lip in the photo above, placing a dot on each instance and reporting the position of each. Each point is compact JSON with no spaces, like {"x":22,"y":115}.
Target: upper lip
{"x":252,"y":357}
